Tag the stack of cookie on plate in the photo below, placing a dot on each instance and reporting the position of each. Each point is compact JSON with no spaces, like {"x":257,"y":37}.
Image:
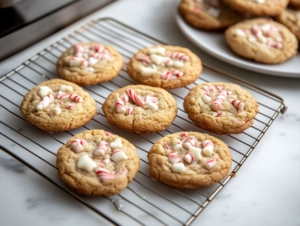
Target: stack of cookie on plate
{"x":251,"y":30}
{"x":97,"y":162}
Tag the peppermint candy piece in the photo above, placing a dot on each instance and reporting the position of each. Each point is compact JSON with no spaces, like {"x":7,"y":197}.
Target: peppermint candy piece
{"x":104,"y":175}
{"x":45,"y":102}
{"x":77,"y":145}
{"x":173,"y":158}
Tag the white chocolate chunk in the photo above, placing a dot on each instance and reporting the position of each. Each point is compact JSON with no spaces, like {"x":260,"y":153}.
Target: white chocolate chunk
{"x":158,"y":50}
{"x":86,"y":163}
{"x":92,"y":60}
{"x":195,"y":152}
{"x":265,"y":27}
{"x":55,"y":111}
{"x":117,"y":143}
{"x":44,"y":91}
{"x":152,"y":106}
{"x":146,"y":71}
{"x":262,"y":39}
{"x":260,"y":1}
{"x":118,"y":155}
{"x":214,"y":12}
{"x":178,"y":64}
{"x":208,"y":147}
{"x":158,"y":60}
{"x":252,"y":39}
{"x":240,"y":33}
{"x":206,"y":99}
{"x":209,"y":164}
{"x":66,"y":88}
{"x":178,"y":167}
{"x":177,"y":147}
{"x":90,"y":69}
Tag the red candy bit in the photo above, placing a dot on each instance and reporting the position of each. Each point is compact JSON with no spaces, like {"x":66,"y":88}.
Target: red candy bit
{"x":129,"y":110}
{"x":135,"y":98}
{"x":144,"y":59}
{"x":70,"y":106}
{"x":100,"y":49}
{"x":122,"y":171}
{"x":107,"y":133}
{"x":197,"y":10}
{"x":151,"y":99}
{"x":183,"y":134}
{"x":104,"y":175}
{"x":173,"y":157}
{"x":179,"y":56}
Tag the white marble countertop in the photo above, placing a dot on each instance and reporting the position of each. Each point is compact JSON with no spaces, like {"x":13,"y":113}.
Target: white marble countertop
{"x":265,"y":190}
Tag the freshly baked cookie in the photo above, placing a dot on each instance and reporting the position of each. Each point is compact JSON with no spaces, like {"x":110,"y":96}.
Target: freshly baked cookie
{"x":140,"y":108}
{"x":189,"y":160}
{"x":291,"y":19}
{"x":58,"y":105}
{"x":89,"y":63}
{"x":208,"y":14}
{"x":221,"y":108}
{"x":258,"y":7}
{"x":165,"y":66}
{"x":262,"y":40}
{"x":96,"y":162}
{"x":295,"y":3}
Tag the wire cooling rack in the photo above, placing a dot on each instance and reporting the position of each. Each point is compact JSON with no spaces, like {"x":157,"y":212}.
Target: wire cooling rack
{"x":144,"y":201}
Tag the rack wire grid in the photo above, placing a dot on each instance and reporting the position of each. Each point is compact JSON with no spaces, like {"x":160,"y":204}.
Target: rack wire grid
{"x":144,"y":201}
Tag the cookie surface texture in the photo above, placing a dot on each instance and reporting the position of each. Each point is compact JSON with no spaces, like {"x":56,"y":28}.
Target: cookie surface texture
{"x":140,"y":108}
{"x":208,"y":14}
{"x":258,"y":7}
{"x":165,"y":66}
{"x":58,"y":105}
{"x":221,"y":108}
{"x":89,"y":63}
{"x":189,"y":160}
{"x":291,"y":19}
{"x":262,"y":40}
{"x":97,"y":162}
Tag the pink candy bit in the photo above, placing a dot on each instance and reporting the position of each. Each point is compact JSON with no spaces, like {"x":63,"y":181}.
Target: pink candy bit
{"x":120,"y":107}
{"x":197,"y":10}
{"x":277,"y":45}
{"x":71,"y":96}
{"x":100,"y":56}
{"x":190,"y":141}
{"x":237,"y":104}
{"x":104,"y":175}
{"x":210,"y":163}
{"x":78,"y":48}
{"x":70,"y":106}
{"x":256,"y":31}
{"x":124,"y":98}
{"x":218,"y":114}
{"x":173,"y":158}
{"x":183,"y":134}
{"x":129,"y":110}
{"x":122,"y":171}
{"x":107,"y":134}
{"x":144,"y":59}
{"x":100,"y":49}
{"x":77,"y":145}
{"x":188,"y":158}
{"x":101,"y":149}
{"x":135,"y":98}
{"x":179,"y":56}
{"x":167,"y":148}
{"x":118,"y":155}
{"x":149,"y":99}
{"x":45,"y":102}
{"x":77,"y":61}
{"x":171,"y":74}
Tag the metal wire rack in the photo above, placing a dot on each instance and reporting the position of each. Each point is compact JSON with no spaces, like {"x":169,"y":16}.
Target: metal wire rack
{"x":144,"y":197}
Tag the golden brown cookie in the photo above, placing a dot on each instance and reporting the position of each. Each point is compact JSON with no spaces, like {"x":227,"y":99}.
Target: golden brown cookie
{"x":97,"y":162}
{"x":291,"y":19}
{"x":208,"y":14}
{"x":221,"y":108}
{"x":140,"y":108}
{"x":258,"y":7}
{"x":89,"y":63}
{"x":295,"y":3}
{"x":165,"y":66}
{"x":189,"y":160}
{"x":262,"y":40}
{"x":58,"y":105}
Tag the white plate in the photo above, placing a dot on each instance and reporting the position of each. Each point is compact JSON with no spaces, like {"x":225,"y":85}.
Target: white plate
{"x":214,"y":44}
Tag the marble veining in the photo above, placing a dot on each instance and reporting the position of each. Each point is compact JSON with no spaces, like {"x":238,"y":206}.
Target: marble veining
{"x":12,"y":165}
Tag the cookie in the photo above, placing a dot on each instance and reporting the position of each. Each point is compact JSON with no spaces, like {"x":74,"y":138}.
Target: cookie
{"x":140,"y":108}
{"x":221,"y":108}
{"x":295,"y":3}
{"x":89,"y":63}
{"x":258,"y":7}
{"x":189,"y":160}
{"x":97,"y":162}
{"x":291,"y":19}
{"x":262,"y":40}
{"x":208,"y":14}
{"x":164,"y":66}
{"x":58,"y":105}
